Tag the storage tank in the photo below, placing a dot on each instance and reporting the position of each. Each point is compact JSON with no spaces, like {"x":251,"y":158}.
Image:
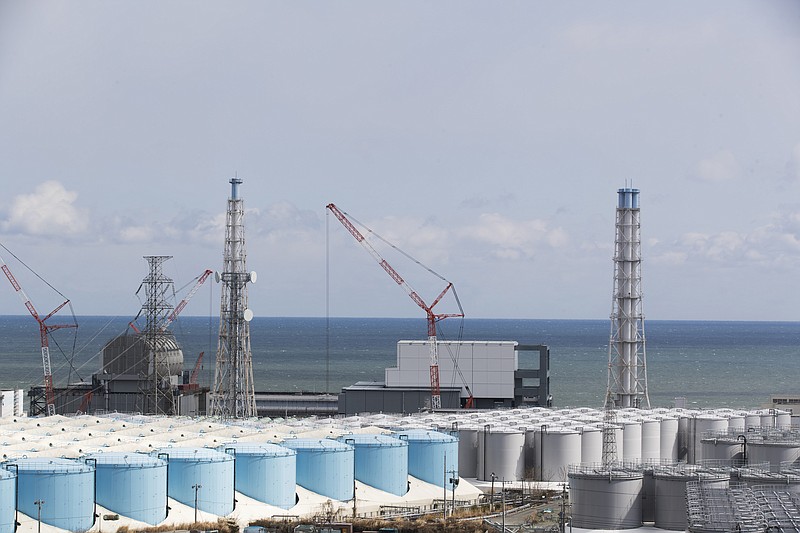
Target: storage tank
{"x":701,"y":427}
{"x":8,"y":500}
{"x":381,"y":461}
{"x":501,"y":452}
{"x":670,"y":492}
{"x":725,"y":449}
{"x":773,"y":452}
{"x":591,"y":444}
{"x":427,"y":452}
{"x":632,"y":441}
{"x":324,"y":466}
{"x":669,"y":439}
{"x":200,"y":473}
{"x":468,"y":451}
{"x":65,"y":487}
{"x":604,"y":498}
{"x":651,"y":440}
{"x":752,"y":420}
{"x":555,"y":450}
{"x":131,"y":484}
{"x":264,"y":471}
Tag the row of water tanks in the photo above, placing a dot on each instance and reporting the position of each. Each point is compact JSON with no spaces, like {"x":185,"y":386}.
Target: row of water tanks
{"x":64,"y":491}
{"x":543,"y":448}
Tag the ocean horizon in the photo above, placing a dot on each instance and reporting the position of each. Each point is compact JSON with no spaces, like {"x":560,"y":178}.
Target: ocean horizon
{"x":736,"y":364}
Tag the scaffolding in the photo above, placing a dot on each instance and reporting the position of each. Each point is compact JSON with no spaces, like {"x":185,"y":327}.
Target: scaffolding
{"x":714,"y":509}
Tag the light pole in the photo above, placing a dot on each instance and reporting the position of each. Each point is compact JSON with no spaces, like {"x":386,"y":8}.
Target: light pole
{"x":39,"y":503}
{"x":504,"y":505}
{"x":491,"y":505}
{"x":196,"y":488}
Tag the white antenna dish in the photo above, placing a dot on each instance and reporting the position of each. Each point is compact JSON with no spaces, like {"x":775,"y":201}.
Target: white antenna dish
{"x":248,"y":315}
{"x":217,"y":277}
{"x":253,"y":276}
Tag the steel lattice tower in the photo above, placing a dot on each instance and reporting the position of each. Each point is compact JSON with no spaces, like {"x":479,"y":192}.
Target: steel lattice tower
{"x":234,"y":390}
{"x":627,"y":373}
{"x":158,"y":290}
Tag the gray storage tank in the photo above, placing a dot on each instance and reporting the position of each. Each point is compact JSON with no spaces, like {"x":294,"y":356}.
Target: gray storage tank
{"x":670,"y":491}
{"x":605,"y":498}
{"x":381,"y":461}
{"x":501,"y":452}
{"x":8,"y":501}
{"x":264,"y":471}
{"x":468,"y":451}
{"x":131,"y":484}
{"x":200,"y":473}
{"x":65,"y":486}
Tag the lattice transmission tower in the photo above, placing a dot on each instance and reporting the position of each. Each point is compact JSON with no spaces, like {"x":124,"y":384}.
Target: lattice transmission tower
{"x":234,"y":390}
{"x":627,"y":372}
{"x":158,"y":293}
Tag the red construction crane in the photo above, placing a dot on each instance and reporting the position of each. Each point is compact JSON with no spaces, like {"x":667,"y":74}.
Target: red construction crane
{"x":44,"y":333}
{"x":433,"y":318}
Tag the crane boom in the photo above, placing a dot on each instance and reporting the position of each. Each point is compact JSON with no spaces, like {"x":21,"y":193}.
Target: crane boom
{"x":432,"y":318}
{"x":44,"y":332}
{"x":178,"y":308}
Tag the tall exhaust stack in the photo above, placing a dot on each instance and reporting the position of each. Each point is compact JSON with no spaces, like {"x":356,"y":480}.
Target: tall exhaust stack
{"x":627,"y":372}
{"x":234,"y":390}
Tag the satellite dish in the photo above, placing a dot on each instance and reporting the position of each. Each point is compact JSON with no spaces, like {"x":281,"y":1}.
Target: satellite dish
{"x":248,"y":315}
{"x":253,"y":276}
{"x":217,"y":277}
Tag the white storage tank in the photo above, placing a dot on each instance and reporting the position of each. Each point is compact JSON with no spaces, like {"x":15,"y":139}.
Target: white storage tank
{"x":591,"y":444}
{"x":501,"y":452}
{"x":651,"y":440}
{"x":324,"y":466}
{"x":632,"y":441}
{"x":726,"y":449}
{"x":131,"y":484}
{"x":670,"y":492}
{"x":555,"y":450}
{"x":200,"y":473}
{"x":381,"y":461}
{"x":752,"y":420}
{"x":467,"y":451}
{"x":66,"y":487}
{"x":701,"y":427}
{"x":774,"y":452}
{"x":605,"y":498}
{"x":669,"y":439}
{"x":265,"y":472}
{"x":8,"y":501}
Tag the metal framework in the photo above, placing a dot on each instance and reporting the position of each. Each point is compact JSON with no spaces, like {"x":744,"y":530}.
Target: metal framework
{"x":158,"y":291}
{"x":234,"y":389}
{"x":432,"y":318}
{"x":627,"y":373}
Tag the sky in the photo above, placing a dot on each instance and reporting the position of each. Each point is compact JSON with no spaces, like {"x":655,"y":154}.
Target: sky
{"x":485,"y":139}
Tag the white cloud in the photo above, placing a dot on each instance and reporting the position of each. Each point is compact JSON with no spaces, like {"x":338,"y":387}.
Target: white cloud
{"x":722,"y":166}
{"x":514,"y":239}
{"x":48,"y":211}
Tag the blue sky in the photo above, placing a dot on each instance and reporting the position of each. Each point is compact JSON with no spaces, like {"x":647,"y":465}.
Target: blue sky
{"x":486,"y":139}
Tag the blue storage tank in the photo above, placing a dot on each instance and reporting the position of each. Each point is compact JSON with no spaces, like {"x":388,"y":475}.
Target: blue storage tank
{"x":208,"y":470}
{"x":381,"y":461}
{"x":264,"y":471}
{"x":8,"y":501}
{"x":65,"y":488}
{"x":427,"y":451}
{"x":131,"y":484}
{"x":324,"y":466}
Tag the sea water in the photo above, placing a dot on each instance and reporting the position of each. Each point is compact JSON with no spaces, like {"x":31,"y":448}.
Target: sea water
{"x":711,"y":364}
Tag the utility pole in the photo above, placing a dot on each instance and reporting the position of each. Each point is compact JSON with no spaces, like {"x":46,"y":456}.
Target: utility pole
{"x":444,"y":486}
{"x":196,"y":488}
{"x":39,"y":503}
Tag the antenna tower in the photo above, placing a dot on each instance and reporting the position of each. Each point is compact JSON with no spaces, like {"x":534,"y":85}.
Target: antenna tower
{"x":234,"y":390}
{"x":158,"y":289}
{"x":627,"y":373}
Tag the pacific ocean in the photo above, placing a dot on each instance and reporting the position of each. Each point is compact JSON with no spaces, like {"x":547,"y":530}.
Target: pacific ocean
{"x":712,"y":364}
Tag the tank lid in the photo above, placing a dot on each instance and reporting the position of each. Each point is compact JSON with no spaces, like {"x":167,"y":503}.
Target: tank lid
{"x":328,"y":445}
{"x":416,"y":435}
{"x":188,"y":454}
{"x":7,"y":474}
{"x":374,"y":440}
{"x":49,"y":465}
{"x":267,"y":449}
{"x":122,"y":458}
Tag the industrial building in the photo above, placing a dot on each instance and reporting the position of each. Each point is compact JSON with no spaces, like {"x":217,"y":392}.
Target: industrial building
{"x":486,"y":373}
